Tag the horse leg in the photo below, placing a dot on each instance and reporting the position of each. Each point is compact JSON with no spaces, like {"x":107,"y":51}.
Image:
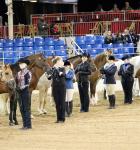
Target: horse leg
{"x":11,"y":123}
{"x":44,"y":102}
{"x":8,"y":106}
{"x":93,"y":94}
{"x":14,"y":111}
{"x":41,"y":100}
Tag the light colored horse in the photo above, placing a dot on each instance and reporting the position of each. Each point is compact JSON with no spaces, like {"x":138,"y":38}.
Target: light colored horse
{"x":43,"y":85}
{"x":6,"y":75}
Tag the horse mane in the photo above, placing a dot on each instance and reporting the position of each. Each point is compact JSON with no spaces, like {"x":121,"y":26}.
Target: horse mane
{"x":73,"y":57}
{"x":100,"y":58}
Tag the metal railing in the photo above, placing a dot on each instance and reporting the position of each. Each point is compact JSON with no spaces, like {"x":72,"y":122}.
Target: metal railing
{"x":88,"y":16}
{"x":72,"y":29}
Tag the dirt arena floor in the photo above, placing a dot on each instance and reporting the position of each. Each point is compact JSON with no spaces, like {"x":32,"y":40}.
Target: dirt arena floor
{"x":99,"y":129}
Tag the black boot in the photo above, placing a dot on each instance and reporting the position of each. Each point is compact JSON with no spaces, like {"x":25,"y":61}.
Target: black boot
{"x":110,"y":101}
{"x":71,"y":107}
{"x":67,"y":109}
{"x":113,"y":101}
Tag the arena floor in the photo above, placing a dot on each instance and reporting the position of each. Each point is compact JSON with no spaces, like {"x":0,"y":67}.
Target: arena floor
{"x":100,"y":129}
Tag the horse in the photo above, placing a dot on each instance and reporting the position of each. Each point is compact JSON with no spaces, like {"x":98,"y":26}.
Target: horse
{"x":38,"y":65}
{"x":43,"y":85}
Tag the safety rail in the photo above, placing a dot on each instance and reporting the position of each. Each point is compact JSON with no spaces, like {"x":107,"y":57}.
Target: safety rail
{"x":88,"y":16}
{"x":72,"y":29}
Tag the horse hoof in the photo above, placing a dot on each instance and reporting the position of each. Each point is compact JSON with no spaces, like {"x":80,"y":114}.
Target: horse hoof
{"x":32,"y":117}
{"x":11,"y":124}
{"x":16,"y":123}
{"x":44,"y":111}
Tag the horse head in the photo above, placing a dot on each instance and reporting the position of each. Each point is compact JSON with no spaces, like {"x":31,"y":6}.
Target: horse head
{"x":6,"y":73}
{"x":102,"y":58}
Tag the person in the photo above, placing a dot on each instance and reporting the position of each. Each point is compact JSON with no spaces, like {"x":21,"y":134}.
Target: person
{"x":69,"y":88}
{"x":135,"y":40}
{"x":115,"y":8}
{"x":109,"y":38}
{"x":23,"y":79}
{"x":127,"y":37}
{"x":57,"y":74}
{"x":82,"y":71}
{"x":42,"y":27}
{"x":99,"y":8}
{"x":119,"y":38}
{"x":109,"y":70}
{"x":127,"y":6}
{"x":126,"y":72}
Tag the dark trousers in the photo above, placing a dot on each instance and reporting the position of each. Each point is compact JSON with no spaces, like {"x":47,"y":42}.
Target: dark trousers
{"x":127,"y":85}
{"x":13,"y":108}
{"x":84,"y":95}
{"x":59,"y":94}
{"x":24,"y":104}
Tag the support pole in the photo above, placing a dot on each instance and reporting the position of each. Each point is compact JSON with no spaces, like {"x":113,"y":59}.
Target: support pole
{"x":9,"y":4}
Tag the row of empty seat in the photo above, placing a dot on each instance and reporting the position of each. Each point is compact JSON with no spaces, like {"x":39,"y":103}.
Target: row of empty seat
{"x":95,"y":45}
{"x":11,"y":50}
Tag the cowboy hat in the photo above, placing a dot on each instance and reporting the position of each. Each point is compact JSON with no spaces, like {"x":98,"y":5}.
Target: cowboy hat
{"x":125,"y":57}
{"x":67,"y":63}
{"x":85,"y":55}
{"x":22,"y":60}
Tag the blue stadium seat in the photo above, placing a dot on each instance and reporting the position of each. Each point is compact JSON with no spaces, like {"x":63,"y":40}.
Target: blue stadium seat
{"x":93,"y":52}
{"x":99,"y":41}
{"x":59,"y":42}
{"x":28,"y":53}
{"x":99,"y":50}
{"x":18,"y":48}
{"x":49,"y":53}
{"x":19,"y":42}
{"x":28,"y":48}
{"x":126,"y":50}
{"x":9,"y":57}
{"x":48,"y":39}
{"x":28,"y":41}
{"x":80,"y":42}
{"x":119,"y":56}
{"x":115,"y":51}
{"x":50,"y":42}
{"x":20,"y":54}
{"x":109,"y":46}
{"x":50,"y":47}
{"x":130,"y":46}
{"x":60,"y":53}
{"x":79,"y":38}
{"x":120,"y":45}
{"x":38,"y":41}
{"x":64,"y":58}
{"x":60,"y":47}
{"x":121,"y":50}
{"x":8,"y":49}
{"x":8,"y":43}
{"x":1,"y":43}
{"x":97,"y":46}
{"x":99,"y":37}
{"x":1,"y":53}
{"x":89,"y":39}
{"x":39,"y":48}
